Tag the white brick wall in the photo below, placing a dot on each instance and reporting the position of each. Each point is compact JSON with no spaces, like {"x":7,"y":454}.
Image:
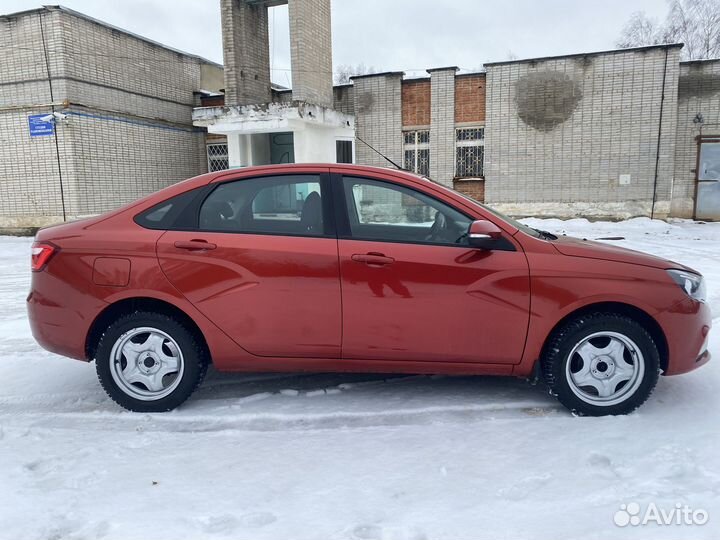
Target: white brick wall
{"x":110,"y":172}
{"x":246,"y":52}
{"x":442,"y":125}
{"x":311,"y":51}
{"x":29,"y":183}
{"x":343,"y":99}
{"x":378,"y":118}
{"x":560,"y":132}
{"x":129,"y":131}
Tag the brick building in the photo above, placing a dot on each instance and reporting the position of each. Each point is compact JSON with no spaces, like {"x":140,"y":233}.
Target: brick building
{"x":590,"y":134}
{"x":434,"y":126}
{"x":261,"y":124}
{"x":126,"y":104}
{"x":608,"y":134}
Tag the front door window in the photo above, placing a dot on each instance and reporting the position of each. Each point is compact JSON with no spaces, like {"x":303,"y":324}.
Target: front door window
{"x":393,"y":213}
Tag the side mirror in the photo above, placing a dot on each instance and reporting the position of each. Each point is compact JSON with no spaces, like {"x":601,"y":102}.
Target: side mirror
{"x":483,"y":234}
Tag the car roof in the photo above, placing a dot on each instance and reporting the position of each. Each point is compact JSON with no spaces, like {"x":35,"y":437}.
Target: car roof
{"x":290,"y":166}
{"x":306,"y":167}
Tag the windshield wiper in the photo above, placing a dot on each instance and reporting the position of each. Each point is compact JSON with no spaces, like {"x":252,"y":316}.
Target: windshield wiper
{"x":544,"y":234}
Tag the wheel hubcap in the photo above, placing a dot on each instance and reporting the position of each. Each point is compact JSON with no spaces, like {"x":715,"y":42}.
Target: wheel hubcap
{"x":605,"y":368}
{"x":147,"y":364}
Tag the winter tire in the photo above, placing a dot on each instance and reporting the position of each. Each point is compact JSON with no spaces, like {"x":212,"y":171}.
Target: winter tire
{"x":149,"y":362}
{"x":601,"y":364}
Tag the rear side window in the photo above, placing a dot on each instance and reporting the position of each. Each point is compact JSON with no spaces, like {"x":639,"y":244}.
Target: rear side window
{"x":283,"y":205}
{"x":164,"y":215}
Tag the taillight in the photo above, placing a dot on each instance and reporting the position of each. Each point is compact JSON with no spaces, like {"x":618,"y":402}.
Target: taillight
{"x":42,"y":252}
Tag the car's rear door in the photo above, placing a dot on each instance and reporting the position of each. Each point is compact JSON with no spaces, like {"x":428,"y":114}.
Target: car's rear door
{"x":414,"y":290}
{"x":261,"y":262}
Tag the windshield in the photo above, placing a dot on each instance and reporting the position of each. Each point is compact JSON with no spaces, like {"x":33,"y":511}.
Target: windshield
{"x":515,"y":223}
{"x":524,"y":228}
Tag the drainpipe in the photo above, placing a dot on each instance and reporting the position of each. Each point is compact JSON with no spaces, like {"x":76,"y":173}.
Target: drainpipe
{"x":657,"y":153}
{"x":55,"y":131}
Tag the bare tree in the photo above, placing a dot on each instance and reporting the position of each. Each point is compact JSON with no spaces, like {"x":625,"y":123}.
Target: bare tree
{"x":640,"y":30}
{"x":343,"y":72}
{"x":696,"y":23}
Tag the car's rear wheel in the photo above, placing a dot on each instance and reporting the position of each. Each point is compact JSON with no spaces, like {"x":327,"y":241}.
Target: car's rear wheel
{"x":149,"y":362}
{"x":601,"y":364}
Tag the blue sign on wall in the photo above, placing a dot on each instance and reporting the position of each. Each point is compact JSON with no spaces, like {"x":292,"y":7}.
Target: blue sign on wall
{"x":40,"y":127}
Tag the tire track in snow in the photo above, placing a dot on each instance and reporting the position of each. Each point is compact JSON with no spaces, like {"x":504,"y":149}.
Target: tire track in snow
{"x":207,"y":423}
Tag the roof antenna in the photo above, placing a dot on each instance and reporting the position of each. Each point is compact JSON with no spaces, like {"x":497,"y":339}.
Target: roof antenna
{"x":378,"y":152}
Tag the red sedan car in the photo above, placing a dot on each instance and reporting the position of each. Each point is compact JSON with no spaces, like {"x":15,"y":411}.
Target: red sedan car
{"x":341,"y":268}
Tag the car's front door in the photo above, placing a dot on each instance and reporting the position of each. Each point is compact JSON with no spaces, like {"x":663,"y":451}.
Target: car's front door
{"x":262,"y":264}
{"x":412,"y":287}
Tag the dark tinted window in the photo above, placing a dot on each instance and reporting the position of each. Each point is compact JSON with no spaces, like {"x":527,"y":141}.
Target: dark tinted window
{"x":270,"y":205}
{"x":164,"y":214}
{"x":343,"y":150}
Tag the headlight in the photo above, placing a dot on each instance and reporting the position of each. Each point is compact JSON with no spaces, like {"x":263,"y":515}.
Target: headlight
{"x":692,"y":284}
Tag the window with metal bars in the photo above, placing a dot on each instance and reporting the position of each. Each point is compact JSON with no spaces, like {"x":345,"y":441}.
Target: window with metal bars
{"x":469,"y":152}
{"x":217,"y":156}
{"x":416,"y":151}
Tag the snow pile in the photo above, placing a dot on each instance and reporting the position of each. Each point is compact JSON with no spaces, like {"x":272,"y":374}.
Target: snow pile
{"x":352,"y":456}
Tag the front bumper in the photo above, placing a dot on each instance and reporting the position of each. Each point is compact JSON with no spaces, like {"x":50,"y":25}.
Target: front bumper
{"x":687,"y":327}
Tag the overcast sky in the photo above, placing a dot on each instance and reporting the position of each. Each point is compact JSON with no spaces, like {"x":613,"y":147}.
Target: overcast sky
{"x":390,"y":35}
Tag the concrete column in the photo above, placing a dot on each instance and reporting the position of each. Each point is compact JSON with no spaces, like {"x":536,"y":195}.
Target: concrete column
{"x":311,"y":51}
{"x":246,"y":52}
{"x":442,"y":124}
{"x":238,"y":155}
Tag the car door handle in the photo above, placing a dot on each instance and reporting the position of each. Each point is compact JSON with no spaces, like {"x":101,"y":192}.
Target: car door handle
{"x":194,"y":245}
{"x":373,"y":259}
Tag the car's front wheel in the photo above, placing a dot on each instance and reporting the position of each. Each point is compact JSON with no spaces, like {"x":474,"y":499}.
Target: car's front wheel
{"x":149,"y":362}
{"x":601,"y":364}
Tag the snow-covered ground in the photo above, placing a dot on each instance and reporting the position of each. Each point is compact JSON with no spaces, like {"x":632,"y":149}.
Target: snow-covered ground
{"x":342,"y":456}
